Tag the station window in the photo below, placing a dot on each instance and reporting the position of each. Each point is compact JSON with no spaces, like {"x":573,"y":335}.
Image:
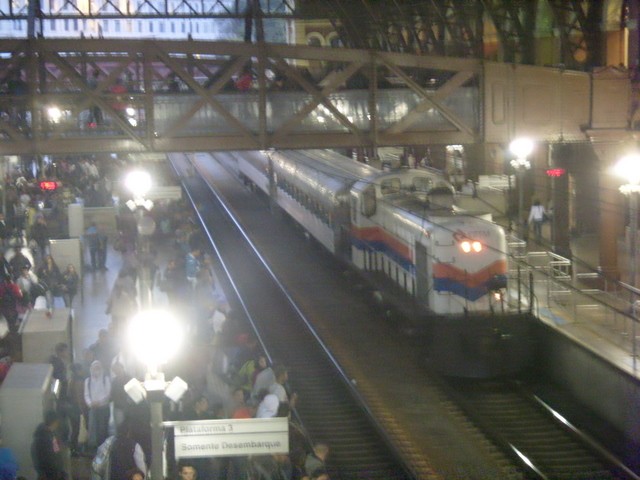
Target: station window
{"x":173,"y":27}
{"x":106,"y":25}
{"x":52,"y":25}
{"x":161,"y":27}
{"x":150,"y":27}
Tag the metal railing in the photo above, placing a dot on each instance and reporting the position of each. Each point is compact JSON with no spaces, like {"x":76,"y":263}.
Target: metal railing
{"x":563,"y":296}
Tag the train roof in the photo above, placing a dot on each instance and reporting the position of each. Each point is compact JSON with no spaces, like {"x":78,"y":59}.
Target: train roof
{"x":415,"y":209}
{"x":342,"y":163}
{"x":408,"y":178}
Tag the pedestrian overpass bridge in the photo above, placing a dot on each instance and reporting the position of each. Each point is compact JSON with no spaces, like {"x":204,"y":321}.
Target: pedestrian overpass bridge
{"x":181,"y":96}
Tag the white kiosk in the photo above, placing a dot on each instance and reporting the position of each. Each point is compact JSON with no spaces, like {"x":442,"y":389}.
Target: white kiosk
{"x":25,"y":395}
{"x":41,"y":333}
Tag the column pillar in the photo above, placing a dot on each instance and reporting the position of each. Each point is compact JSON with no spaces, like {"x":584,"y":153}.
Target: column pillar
{"x":612,"y":209}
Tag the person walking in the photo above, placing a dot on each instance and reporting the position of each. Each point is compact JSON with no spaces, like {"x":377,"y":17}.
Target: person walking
{"x":537,"y":217}
{"x":46,"y":449}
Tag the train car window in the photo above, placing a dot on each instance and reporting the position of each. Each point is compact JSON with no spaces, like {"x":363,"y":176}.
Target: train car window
{"x":422,"y":184}
{"x":389,"y":186}
{"x":354,"y":209}
{"x":369,"y":201}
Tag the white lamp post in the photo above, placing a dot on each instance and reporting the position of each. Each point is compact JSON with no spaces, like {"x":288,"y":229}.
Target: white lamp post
{"x":521,"y":148}
{"x":155,"y":336}
{"x":628,"y":168}
{"x":138,"y":182}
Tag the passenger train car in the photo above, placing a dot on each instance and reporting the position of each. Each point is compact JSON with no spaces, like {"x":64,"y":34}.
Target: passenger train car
{"x":445,"y":269}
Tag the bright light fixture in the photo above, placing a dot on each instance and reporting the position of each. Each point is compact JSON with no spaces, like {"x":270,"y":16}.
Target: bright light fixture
{"x":154,"y":336}
{"x":628,"y":168}
{"x":138,"y":182}
{"x":521,"y":147}
{"x":55,"y":114}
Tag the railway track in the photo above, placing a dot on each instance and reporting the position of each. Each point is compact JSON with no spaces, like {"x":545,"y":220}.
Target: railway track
{"x":539,"y":439}
{"x":539,"y":443}
{"x":330,"y":407}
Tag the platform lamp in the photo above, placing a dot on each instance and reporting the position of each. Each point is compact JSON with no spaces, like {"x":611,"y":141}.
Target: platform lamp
{"x":521,"y":148}
{"x":138,"y":182}
{"x":628,"y":168}
{"x":154,"y":337}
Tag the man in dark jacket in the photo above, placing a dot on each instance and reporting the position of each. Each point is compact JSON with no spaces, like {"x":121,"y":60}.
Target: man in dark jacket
{"x":126,"y":453}
{"x":46,"y":448}
{"x":40,"y":234}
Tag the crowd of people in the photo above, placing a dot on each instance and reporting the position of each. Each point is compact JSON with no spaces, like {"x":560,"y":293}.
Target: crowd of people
{"x":228,"y":374}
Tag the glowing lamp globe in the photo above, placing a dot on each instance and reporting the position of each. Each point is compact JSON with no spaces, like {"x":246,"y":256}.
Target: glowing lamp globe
{"x":154,"y":336}
{"x":521,"y":147}
{"x":138,"y":182}
{"x":628,"y":168}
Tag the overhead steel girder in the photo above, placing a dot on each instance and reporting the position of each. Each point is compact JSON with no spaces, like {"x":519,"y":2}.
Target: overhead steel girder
{"x":207,"y":116}
{"x":514,"y":21}
{"x":443,"y":27}
{"x":579,"y":24}
{"x":120,"y":9}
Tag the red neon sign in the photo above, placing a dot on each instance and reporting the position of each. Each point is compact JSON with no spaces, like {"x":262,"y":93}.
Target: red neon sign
{"x":48,"y":185}
{"x":556,"y":172}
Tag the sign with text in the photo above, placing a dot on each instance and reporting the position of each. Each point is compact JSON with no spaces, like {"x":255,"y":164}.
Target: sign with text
{"x":227,"y":438}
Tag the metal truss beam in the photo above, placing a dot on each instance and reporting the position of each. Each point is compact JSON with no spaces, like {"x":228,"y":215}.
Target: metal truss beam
{"x":122,"y":9}
{"x":443,"y":27}
{"x":579,"y":24}
{"x":514,"y":21}
{"x":206,"y":114}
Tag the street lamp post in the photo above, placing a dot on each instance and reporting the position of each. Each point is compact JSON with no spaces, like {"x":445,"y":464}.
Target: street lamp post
{"x":139,"y":183}
{"x":155,"y":336}
{"x":521,"y":148}
{"x":628,"y":168}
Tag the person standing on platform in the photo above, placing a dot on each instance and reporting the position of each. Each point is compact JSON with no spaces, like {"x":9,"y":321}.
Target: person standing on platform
{"x":40,"y":235}
{"x":126,"y":454}
{"x":95,"y":113}
{"x":537,"y":216}
{"x":8,"y":463}
{"x":186,"y":470}
{"x":50,"y":278}
{"x":102,"y":250}
{"x":97,"y":395}
{"x":59,"y":361}
{"x":69,"y":285}
{"x":5,"y":267}
{"x":192,"y":266}
{"x":92,"y":240}
{"x":46,"y":449}
{"x":4,"y":231}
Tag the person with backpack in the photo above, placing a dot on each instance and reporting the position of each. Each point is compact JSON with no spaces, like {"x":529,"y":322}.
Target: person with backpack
{"x":126,"y":454}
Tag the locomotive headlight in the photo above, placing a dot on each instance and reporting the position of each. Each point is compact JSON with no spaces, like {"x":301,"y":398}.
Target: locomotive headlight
{"x":131,"y":111}
{"x":465,"y":246}
{"x":476,"y":246}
